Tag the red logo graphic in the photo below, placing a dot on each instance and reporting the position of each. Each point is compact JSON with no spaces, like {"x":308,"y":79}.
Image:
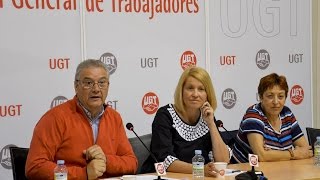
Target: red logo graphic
{"x":296,"y":94}
{"x":1,"y":3}
{"x":150,"y":103}
{"x":10,"y":110}
{"x":188,"y":59}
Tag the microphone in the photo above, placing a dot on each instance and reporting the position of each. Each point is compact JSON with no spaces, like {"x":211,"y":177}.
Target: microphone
{"x":131,"y":128}
{"x":219,"y":123}
{"x":232,"y":139}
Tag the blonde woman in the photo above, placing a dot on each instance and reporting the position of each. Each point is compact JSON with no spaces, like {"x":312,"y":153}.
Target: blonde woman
{"x":179,"y":129}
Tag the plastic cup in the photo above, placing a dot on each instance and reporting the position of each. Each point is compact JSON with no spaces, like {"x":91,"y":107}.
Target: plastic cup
{"x":221,"y":167}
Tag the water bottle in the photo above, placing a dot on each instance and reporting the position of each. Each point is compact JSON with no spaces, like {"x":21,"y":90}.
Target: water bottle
{"x":317,"y":152}
{"x":210,"y":155}
{"x":60,"y":171}
{"x":198,"y":166}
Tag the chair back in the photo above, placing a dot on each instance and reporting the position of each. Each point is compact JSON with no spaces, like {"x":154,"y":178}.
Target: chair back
{"x":229,"y":137}
{"x":139,"y":150}
{"x":18,"y":161}
{"x":312,"y":134}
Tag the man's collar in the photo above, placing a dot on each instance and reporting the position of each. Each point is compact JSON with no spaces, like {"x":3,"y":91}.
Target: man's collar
{"x":88,"y":113}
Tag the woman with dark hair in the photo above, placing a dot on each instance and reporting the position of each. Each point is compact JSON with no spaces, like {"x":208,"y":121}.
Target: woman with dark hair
{"x":269,"y":129}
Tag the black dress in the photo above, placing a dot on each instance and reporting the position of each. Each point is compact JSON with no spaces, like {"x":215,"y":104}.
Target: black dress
{"x":173,"y":139}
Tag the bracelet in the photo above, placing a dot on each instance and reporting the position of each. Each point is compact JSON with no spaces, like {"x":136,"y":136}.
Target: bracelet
{"x":291,"y":153}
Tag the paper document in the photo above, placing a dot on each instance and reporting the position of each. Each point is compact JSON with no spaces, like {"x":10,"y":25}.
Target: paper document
{"x":141,"y":177}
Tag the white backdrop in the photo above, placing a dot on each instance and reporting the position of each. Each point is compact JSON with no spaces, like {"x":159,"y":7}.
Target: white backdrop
{"x":146,"y":49}
{"x":253,"y":38}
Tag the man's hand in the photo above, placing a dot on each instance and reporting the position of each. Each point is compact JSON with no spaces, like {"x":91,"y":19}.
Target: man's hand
{"x":95,"y":168}
{"x":94,"y":152}
{"x":97,"y":161}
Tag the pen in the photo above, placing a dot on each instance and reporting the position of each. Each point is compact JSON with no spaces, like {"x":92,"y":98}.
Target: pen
{"x":235,"y":171}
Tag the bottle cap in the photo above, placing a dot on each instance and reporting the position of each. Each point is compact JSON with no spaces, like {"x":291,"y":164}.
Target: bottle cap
{"x":198,"y":152}
{"x":210,"y":155}
{"x":60,"y":162}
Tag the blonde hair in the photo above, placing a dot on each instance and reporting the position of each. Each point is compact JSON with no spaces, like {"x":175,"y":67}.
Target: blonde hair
{"x":201,"y":75}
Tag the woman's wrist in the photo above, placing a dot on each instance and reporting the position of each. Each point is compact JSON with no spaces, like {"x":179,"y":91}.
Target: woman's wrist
{"x":291,"y":153}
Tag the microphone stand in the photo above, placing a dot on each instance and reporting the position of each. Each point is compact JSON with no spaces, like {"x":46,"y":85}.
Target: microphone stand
{"x":252,"y":174}
{"x":232,"y":139}
{"x":130,"y":128}
{"x":152,"y":155}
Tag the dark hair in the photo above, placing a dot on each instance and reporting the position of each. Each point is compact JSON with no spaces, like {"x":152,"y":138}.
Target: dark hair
{"x":270,"y":81}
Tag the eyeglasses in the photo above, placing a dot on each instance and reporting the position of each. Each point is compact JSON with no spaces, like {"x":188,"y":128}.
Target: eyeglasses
{"x":88,"y":84}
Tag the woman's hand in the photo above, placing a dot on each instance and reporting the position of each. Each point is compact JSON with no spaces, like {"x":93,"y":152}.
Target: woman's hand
{"x":207,"y":113}
{"x":302,"y":152}
{"x":210,"y":170}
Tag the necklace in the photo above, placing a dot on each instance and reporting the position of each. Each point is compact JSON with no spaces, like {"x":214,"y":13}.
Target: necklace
{"x":276,"y":129}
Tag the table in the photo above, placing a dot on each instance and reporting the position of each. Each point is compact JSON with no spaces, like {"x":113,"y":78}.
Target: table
{"x":280,"y":170}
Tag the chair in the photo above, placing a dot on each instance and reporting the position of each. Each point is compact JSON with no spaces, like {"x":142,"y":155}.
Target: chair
{"x":139,"y":150}
{"x":312,"y":134}
{"x":18,"y":161}
{"x":229,"y":137}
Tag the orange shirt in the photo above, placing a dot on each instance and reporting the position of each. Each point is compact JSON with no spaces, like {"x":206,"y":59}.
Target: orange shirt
{"x":64,"y":132}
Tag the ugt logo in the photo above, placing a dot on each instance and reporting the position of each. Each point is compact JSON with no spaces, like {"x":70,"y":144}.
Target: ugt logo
{"x":150,"y":103}
{"x":5,"y":158}
{"x":296,"y":94}
{"x":188,"y":59}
